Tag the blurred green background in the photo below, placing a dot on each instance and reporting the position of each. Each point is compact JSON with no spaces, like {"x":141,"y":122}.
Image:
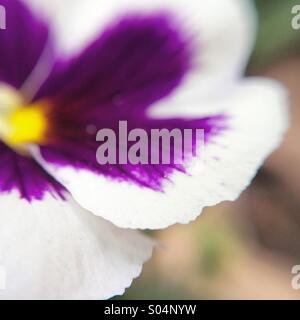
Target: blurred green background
{"x":245,"y":249}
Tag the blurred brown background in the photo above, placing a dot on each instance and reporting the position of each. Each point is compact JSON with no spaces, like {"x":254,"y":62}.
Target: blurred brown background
{"x":245,"y":249}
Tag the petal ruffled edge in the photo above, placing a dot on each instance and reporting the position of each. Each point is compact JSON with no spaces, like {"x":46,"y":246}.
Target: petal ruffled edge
{"x":258,"y":117}
{"x":54,"y":249}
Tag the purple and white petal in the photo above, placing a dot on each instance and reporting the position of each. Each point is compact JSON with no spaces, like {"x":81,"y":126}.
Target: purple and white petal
{"x":144,"y":58}
{"x":224,"y":31}
{"x":256,"y":120}
{"x":136,"y":61}
{"x":54,"y":249}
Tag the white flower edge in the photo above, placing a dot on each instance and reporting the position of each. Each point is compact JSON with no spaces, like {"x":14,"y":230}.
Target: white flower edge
{"x":54,"y":249}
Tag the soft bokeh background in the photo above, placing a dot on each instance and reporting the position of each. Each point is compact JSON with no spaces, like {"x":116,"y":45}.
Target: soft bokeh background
{"x":245,"y":249}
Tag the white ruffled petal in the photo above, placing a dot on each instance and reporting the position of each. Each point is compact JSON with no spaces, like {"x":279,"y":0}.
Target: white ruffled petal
{"x":54,"y":249}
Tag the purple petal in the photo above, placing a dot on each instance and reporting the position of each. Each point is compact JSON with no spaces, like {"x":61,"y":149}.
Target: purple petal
{"x":137,"y":60}
{"x":24,"y":175}
{"x":21,"y":43}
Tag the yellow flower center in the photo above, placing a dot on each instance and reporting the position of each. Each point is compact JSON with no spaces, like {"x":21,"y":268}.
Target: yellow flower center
{"x":20,"y":123}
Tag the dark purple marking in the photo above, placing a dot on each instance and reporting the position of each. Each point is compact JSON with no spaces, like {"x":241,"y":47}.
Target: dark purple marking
{"x":23,"y":174}
{"x":137,"y":61}
{"x":21,"y":43}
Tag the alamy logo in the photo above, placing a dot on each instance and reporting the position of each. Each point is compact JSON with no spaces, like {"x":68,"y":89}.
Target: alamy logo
{"x":2,"y":18}
{"x":157,"y":146}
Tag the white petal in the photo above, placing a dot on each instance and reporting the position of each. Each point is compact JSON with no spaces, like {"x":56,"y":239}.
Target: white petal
{"x":225,"y":31}
{"x":258,"y":121}
{"x":54,"y":249}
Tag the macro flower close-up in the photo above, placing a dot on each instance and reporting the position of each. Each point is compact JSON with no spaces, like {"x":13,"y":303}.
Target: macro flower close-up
{"x":73,"y":228}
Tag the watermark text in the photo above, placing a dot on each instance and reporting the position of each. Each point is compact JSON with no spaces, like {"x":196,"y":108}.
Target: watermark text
{"x":153,"y":146}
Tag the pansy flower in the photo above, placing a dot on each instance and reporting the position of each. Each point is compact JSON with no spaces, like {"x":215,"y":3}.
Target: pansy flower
{"x":70,"y":68}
